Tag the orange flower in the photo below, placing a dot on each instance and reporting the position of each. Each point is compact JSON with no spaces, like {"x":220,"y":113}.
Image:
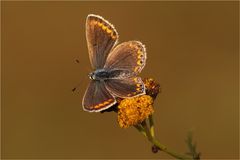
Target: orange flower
{"x":132,"y":111}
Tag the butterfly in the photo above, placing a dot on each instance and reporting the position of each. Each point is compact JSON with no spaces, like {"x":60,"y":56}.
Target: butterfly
{"x":116,"y":67}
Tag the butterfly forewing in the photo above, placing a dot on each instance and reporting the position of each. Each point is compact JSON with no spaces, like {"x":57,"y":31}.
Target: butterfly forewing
{"x":101,"y":37}
{"x":97,"y":97}
{"x":129,"y":55}
{"x":127,"y":87}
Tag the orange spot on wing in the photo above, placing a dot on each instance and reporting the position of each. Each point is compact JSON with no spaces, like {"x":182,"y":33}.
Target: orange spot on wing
{"x":104,"y":27}
{"x":136,"y":69}
{"x":139,"y":62}
{"x":140,"y":56}
{"x":106,"y":103}
{"x":113,"y":36}
{"x":139,"y":89}
{"x":109,"y":31}
{"x":101,"y":105}
{"x":135,"y":79}
{"x":139,"y":52}
{"x":96,"y":107}
{"x":139,"y":85}
{"x":94,"y":22}
{"x":110,"y":100}
{"x":100,"y":24}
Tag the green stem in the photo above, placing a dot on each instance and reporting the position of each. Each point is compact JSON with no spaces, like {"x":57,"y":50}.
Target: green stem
{"x":149,"y":136}
{"x":140,"y":128}
{"x":149,"y":133}
{"x":169,"y":152}
{"x":151,"y":123}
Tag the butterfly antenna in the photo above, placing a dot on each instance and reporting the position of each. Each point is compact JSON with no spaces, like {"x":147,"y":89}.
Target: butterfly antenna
{"x":88,"y":69}
{"x":77,"y":61}
{"x":77,"y":86}
{"x":82,"y":82}
{"x":83,"y":79}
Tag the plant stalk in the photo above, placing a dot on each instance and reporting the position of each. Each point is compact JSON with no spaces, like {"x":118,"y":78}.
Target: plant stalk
{"x":149,"y":133}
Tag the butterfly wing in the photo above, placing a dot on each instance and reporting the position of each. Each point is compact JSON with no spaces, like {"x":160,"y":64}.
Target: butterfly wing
{"x":101,"y":37}
{"x":97,"y":97}
{"x":129,"y":56}
{"x":127,"y":87}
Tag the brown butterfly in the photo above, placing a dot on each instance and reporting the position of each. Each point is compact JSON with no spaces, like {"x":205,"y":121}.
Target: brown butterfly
{"x":116,"y":67}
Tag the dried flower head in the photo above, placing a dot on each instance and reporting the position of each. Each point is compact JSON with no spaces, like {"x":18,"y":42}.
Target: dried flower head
{"x":132,"y":111}
{"x":152,"y":87}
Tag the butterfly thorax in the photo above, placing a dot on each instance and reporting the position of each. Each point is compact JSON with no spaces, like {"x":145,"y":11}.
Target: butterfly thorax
{"x":104,"y":74}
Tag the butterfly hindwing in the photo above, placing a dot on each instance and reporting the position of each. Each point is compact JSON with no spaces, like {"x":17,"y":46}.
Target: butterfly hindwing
{"x":129,"y":55}
{"x":97,"y":97}
{"x":127,"y":87}
{"x":101,"y":38}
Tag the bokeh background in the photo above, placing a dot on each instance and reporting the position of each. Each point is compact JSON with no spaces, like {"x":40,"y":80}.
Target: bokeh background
{"x":192,"y":51}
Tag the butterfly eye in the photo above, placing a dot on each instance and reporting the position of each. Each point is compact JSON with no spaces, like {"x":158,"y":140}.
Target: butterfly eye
{"x":91,"y":76}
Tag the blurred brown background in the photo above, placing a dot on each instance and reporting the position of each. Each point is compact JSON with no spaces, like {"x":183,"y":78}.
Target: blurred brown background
{"x":192,"y":51}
